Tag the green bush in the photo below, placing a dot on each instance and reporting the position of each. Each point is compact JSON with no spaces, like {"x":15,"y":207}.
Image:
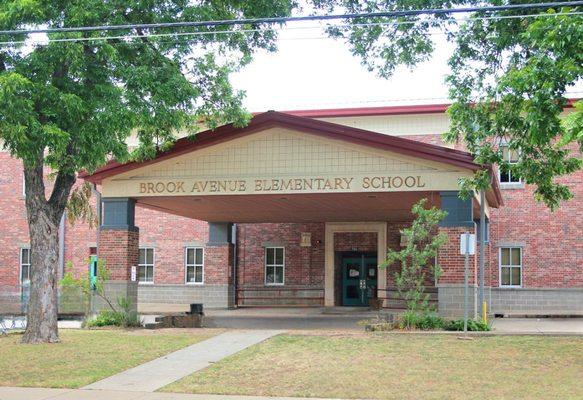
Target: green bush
{"x":106,"y":318}
{"x":424,"y":321}
{"x":474,"y":325}
{"x":126,"y":317}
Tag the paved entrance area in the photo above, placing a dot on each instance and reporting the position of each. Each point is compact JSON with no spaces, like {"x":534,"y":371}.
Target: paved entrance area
{"x":162,"y":371}
{"x":8,"y":393}
{"x":320,"y":318}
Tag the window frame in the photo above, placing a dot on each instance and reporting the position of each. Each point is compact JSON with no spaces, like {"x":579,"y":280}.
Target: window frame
{"x":21,"y":264}
{"x":510,"y":266}
{"x":275,"y":265}
{"x":510,"y":183}
{"x":186,"y":265}
{"x":146,"y":265}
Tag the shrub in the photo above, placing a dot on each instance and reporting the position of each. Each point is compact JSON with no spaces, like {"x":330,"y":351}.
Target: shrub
{"x":126,"y":317}
{"x":424,"y":321}
{"x":474,"y":325}
{"x":106,"y":318}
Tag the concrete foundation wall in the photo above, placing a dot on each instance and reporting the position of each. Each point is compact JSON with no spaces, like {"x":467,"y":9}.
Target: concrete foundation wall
{"x":535,"y":301}
{"x":172,"y":298}
{"x":450,"y":301}
{"x":115,"y":290}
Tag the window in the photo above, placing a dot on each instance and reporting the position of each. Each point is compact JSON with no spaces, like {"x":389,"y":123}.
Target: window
{"x":24,"y":265}
{"x":274,"y":265}
{"x":511,"y":266}
{"x":194,"y":265}
{"x":511,"y":157}
{"x":146,"y":265}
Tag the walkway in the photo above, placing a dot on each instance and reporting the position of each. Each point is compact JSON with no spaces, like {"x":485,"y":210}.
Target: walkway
{"x":162,"y":371}
{"x":8,"y":393}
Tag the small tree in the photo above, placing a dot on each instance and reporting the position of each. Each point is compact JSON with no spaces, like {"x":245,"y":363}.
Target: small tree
{"x":87,"y":287}
{"x":417,"y":257}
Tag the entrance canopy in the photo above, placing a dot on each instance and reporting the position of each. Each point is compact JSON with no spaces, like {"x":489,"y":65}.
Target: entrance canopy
{"x":284,"y":168}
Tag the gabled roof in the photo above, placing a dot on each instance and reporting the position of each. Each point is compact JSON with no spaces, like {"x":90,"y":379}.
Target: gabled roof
{"x":272,"y":119}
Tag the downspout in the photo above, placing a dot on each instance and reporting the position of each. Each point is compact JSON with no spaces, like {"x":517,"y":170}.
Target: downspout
{"x":234,"y":240}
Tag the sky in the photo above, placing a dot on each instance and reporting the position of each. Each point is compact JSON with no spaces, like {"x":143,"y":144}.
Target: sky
{"x":321,"y":73}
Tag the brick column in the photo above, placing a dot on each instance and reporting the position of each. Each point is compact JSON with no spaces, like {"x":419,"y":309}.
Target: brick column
{"x":218,"y":262}
{"x":119,"y":250}
{"x":451,"y":283}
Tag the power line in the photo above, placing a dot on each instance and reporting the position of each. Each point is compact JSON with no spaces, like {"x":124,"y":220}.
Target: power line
{"x":281,"y":20}
{"x":208,"y":33}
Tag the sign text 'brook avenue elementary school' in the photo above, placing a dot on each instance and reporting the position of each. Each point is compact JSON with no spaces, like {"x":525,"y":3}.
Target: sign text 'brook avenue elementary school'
{"x":216,"y":186}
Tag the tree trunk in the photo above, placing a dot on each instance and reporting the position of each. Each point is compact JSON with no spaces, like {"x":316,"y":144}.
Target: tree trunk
{"x":43,"y":304}
{"x":43,"y":225}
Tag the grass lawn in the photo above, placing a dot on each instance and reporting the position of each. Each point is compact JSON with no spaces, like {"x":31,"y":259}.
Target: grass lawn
{"x":399,"y":367}
{"x":85,"y":356}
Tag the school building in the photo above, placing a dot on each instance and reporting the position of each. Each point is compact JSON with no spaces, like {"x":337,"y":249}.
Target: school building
{"x":298,"y":209}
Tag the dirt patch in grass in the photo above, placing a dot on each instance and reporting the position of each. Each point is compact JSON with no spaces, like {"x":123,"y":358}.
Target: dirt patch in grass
{"x":85,"y":356}
{"x":399,"y":367}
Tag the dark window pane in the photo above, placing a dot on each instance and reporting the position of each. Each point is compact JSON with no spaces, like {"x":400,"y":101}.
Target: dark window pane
{"x":142,"y":259}
{"x":198,"y":278}
{"x":142,"y":274}
{"x":270,"y":256}
{"x":505,"y":276}
{"x":190,"y":256}
{"x":26,"y":256}
{"x":505,"y":256}
{"x":269,"y":275}
{"x":516,"y":256}
{"x":149,"y":274}
{"x":279,"y":275}
{"x":190,"y":274}
{"x":150,"y":256}
{"x":516,"y":276}
{"x":199,"y":256}
{"x":279,"y":256}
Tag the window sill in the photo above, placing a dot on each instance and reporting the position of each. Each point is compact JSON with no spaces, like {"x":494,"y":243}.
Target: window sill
{"x":511,"y":186}
{"x":274,"y":284}
{"x":509,"y":287}
{"x":194,"y":283}
{"x":145,"y":283}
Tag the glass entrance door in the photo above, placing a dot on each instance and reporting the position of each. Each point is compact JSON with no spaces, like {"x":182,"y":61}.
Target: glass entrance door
{"x":359,"y":279}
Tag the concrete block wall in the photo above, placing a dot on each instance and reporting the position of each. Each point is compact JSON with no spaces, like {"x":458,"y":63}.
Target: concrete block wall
{"x":157,"y":297}
{"x":543,"y":301}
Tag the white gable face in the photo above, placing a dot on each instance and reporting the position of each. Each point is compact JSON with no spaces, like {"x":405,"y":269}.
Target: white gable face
{"x":279,"y":160}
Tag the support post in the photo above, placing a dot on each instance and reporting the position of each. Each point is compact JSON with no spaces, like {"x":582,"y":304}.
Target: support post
{"x":119,"y":250}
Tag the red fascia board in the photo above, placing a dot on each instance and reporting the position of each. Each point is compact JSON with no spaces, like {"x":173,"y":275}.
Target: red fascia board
{"x":370,"y":111}
{"x":384,"y":110}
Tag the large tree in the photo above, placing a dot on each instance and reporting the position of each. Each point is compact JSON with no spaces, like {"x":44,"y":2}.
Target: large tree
{"x":69,"y":105}
{"x":510,"y":72}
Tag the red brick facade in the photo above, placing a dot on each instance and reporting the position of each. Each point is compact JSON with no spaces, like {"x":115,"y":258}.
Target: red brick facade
{"x":551,"y":245}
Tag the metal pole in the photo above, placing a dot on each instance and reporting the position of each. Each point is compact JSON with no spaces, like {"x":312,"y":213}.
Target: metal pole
{"x":482,"y":248}
{"x":466,"y":268}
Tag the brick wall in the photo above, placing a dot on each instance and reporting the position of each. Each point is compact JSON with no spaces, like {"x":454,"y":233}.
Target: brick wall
{"x":118,"y":249}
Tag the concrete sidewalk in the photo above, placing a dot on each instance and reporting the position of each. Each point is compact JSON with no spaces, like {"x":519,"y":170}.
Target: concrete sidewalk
{"x":541,"y":326}
{"x":9,"y":393}
{"x":162,"y":371}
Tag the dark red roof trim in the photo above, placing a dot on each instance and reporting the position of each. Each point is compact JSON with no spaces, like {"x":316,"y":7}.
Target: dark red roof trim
{"x":384,"y":110}
{"x":326,"y":129}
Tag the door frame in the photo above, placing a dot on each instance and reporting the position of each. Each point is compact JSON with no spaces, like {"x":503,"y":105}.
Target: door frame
{"x":380,"y":228}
